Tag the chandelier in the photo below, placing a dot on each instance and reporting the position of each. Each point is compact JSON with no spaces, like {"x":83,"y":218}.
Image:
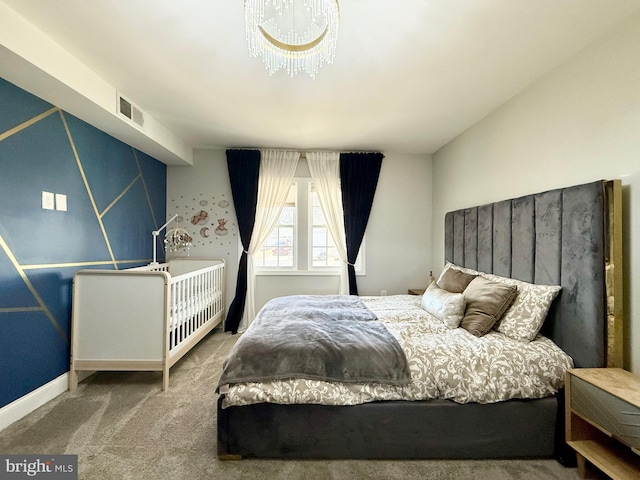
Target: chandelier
{"x":293,"y":35}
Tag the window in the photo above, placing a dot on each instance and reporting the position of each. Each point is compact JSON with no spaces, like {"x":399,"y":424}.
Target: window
{"x":323,"y":249}
{"x":301,"y":241}
{"x":279,"y":249}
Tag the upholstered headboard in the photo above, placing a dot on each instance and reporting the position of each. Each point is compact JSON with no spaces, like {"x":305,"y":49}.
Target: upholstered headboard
{"x":559,"y":237}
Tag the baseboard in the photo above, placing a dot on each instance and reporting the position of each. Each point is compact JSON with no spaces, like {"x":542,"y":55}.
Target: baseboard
{"x":31,"y":401}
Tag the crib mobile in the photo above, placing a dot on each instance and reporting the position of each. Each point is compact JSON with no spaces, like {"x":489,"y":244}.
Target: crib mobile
{"x":176,"y":240}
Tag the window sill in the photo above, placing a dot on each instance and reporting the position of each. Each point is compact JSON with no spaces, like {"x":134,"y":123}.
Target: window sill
{"x":307,"y":273}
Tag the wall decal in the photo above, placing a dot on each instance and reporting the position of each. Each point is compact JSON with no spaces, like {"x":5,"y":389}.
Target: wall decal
{"x":221,"y":229}
{"x":200,"y":218}
{"x":210,"y":213}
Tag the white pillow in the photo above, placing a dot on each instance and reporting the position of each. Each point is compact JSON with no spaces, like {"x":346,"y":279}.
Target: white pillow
{"x":524,"y":318}
{"x":445,"y":306}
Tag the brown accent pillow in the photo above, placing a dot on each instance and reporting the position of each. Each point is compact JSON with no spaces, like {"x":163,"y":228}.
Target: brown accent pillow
{"x":486,"y":303}
{"x":455,"y":281}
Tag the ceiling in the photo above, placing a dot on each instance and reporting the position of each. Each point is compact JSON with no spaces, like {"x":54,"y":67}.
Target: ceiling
{"x":408,"y":75}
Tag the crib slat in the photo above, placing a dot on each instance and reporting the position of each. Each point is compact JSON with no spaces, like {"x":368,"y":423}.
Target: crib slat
{"x":197,"y":297}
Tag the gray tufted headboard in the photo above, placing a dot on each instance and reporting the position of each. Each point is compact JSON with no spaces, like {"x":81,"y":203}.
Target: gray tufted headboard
{"x":559,"y":237}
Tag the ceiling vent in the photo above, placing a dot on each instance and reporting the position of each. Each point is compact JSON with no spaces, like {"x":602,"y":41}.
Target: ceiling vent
{"x":130,"y":111}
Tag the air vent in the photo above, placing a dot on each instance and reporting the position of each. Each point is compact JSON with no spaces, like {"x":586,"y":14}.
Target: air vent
{"x":130,"y":111}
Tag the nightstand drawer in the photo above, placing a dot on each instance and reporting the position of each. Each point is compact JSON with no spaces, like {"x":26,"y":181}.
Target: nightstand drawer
{"x":617,"y":417}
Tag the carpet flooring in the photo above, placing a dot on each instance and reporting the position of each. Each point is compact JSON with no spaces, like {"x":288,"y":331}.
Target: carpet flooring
{"x":122,"y":426}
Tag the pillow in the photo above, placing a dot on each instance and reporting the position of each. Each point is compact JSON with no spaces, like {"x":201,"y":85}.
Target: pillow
{"x":524,"y":318}
{"x":486,"y":302}
{"x":453,"y":280}
{"x":452,"y":266}
{"x":445,"y":306}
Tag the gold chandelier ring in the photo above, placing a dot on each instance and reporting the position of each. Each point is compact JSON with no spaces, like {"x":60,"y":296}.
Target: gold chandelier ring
{"x":292,"y":47}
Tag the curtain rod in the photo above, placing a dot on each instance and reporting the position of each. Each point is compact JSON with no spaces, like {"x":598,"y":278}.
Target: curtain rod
{"x":303,"y":153}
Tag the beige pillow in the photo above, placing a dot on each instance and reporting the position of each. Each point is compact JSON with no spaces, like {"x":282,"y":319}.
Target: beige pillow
{"x":453,"y":280}
{"x":524,"y":318}
{"x":452,"y":266}
{"x":486,"y":302}
{"x":445,"y":306}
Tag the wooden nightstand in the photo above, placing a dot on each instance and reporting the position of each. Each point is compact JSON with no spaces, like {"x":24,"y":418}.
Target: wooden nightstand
{"x":416,"y":291}
{"x":603,"y":420}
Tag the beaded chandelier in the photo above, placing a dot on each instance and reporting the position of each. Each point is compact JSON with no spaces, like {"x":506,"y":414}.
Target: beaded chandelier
{"x":293,"y":35}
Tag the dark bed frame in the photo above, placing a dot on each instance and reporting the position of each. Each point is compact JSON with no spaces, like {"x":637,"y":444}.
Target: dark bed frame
{"x":569,"y":237}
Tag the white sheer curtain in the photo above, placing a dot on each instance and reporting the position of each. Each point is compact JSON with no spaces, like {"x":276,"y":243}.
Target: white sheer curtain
{"x":325,"y":173}
{"x":277,"y":168}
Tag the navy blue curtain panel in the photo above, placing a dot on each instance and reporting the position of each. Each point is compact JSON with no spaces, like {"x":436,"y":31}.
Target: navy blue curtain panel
{"x":244,"y":169}
{"x":359,"y":174}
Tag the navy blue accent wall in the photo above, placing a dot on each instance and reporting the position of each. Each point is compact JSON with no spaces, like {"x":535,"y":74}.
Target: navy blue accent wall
{"x":116,"y":196}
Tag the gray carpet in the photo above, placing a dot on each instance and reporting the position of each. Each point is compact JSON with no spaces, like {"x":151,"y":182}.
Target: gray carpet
{"x":122,"y":426}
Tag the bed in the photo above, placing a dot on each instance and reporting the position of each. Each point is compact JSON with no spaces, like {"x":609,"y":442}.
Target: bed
{"x":567,"y":238}
{"x":143,"y":318}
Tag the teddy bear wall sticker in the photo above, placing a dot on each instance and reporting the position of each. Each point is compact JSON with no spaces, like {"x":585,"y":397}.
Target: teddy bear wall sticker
{"x":210,"y":214}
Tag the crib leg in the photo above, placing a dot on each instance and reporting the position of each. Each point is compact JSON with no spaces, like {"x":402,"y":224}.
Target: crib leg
{"x":165,"y":379}
{"x":73,"y":380}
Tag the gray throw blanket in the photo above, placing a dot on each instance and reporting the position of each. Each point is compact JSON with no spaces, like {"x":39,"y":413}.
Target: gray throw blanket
{"x":318,"y":337}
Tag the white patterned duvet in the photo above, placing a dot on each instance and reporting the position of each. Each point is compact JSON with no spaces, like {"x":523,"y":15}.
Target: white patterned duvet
{"x":445,"y":363}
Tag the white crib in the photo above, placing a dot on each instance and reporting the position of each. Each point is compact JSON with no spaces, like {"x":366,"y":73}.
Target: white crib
{"x":144,"y":318}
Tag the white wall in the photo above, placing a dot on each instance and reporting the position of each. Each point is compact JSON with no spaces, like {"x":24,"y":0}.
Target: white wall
{"x":399,"y":231}
{"x":398,"y":237}
{"x":579,"y":123}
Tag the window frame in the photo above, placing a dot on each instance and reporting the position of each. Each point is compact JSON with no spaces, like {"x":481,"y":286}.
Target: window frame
{"x":303,"y":247}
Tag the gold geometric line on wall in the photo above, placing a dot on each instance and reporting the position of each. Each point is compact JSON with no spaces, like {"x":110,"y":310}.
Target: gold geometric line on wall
{"x":141,"y":260}
{"x":28,"y":123}
{"x":144,"y":185}
{"x":86,"y":185}
{"x":122,"y":194}
{"x":20,"y":309}
{"x":29,"y":285}
{"x":37,"y":266}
